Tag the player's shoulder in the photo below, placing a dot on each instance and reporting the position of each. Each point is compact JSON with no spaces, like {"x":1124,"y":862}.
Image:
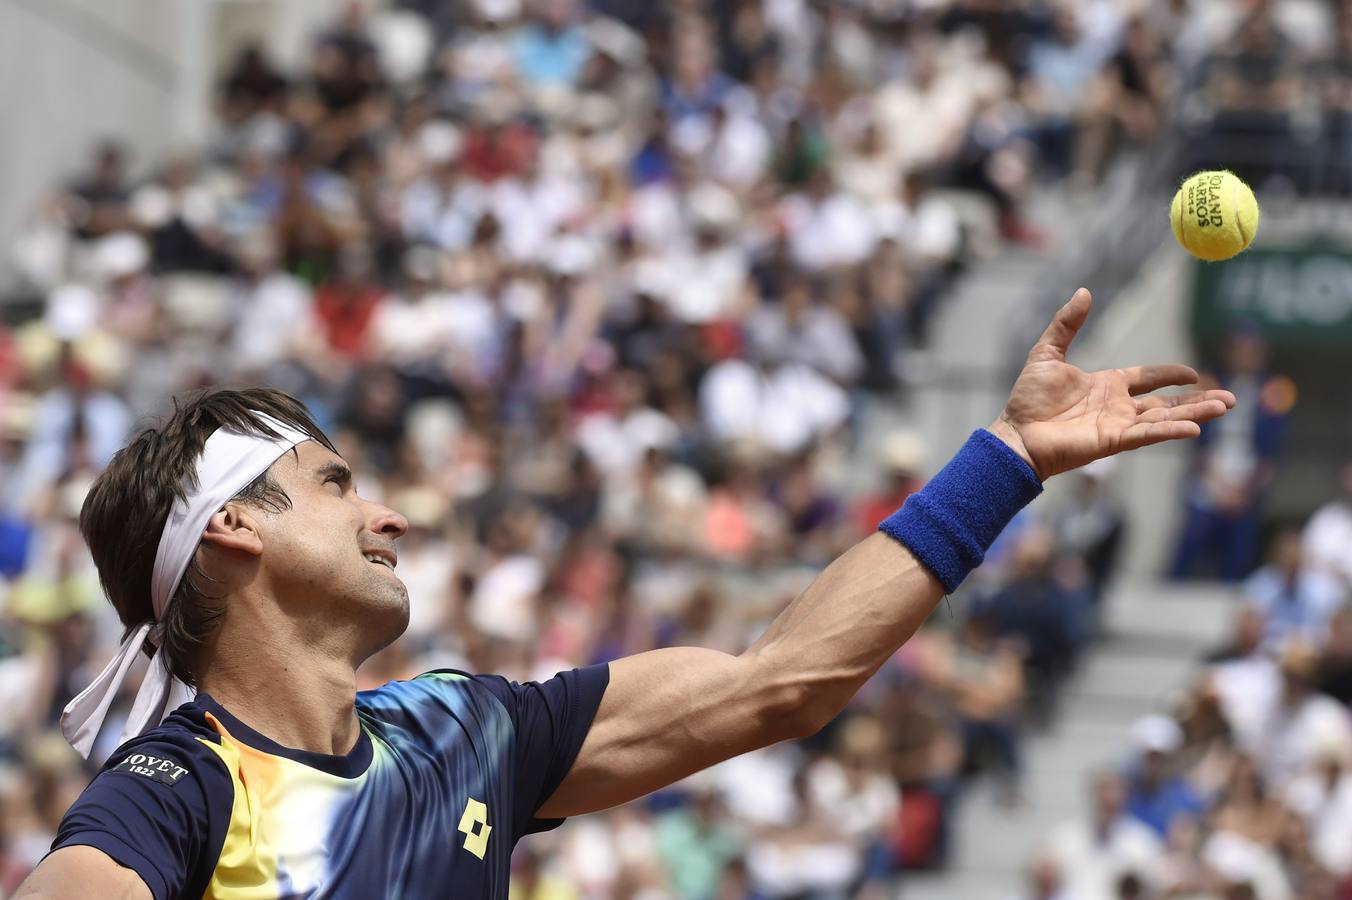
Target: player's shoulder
{"x":481,"y":697}
{"x":440,"y":691}
{"x":181,"y":749}
{"x":161,"y":805}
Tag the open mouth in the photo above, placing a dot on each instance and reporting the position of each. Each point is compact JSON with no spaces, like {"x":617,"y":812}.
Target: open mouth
{"x":379,"y":560}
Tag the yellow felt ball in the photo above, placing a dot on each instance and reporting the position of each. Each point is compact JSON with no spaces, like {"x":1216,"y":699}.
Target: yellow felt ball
{"x":1214,"y":215}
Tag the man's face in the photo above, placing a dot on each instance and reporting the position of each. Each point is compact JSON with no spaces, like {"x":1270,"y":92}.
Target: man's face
{"x":1110,"y":797}
{"x":1246,"y":354}
{"x":332,"y":555}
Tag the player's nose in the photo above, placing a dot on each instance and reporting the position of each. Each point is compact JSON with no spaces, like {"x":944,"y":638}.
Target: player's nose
{"x":386,"y":521}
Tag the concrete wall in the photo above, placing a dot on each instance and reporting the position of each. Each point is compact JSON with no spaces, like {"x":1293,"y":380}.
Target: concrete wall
{"x":73,"y":71}
{"x":140,"y":71}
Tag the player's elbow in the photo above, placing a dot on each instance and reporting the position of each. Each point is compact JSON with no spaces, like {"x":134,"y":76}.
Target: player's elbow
{"x":815,"y":712}
{"x":803,"y":712}
{"x":793,"y":707}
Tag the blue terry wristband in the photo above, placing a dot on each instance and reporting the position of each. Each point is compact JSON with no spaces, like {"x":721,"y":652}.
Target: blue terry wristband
{"x":951,"y":522}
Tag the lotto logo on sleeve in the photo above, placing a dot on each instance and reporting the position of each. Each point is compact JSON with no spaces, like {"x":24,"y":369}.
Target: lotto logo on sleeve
{"x":156,"y":768}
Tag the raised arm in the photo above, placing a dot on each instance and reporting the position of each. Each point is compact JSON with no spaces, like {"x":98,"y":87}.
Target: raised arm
{"x":672,"y":712}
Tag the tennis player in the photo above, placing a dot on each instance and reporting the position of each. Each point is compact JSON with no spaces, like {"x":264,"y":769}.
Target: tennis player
{"x":232,"y":542}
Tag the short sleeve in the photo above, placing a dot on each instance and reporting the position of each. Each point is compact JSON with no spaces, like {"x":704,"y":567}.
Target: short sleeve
{"x":160,"y":807}
{"x":551,"y":719}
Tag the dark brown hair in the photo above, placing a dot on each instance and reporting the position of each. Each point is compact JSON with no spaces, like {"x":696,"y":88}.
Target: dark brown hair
{"x":124,"y":514}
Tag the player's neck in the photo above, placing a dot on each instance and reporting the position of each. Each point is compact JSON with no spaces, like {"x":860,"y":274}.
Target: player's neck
{"x":293,"y":695}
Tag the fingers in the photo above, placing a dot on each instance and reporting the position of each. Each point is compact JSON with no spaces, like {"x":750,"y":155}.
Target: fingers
{"x":1161,"y":419}
{"x":1144,"y":434}
{"x":1203,"y":411}
{"x":1157,"y":401}
{"x":1144,"y":379}
{"x":1055,"y":341}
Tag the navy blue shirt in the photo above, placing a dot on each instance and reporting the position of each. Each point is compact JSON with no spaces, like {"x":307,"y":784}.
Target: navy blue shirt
{"x":446,"y":776}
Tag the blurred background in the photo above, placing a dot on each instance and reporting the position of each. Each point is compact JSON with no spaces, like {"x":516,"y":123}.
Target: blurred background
{"x":642,"y":312}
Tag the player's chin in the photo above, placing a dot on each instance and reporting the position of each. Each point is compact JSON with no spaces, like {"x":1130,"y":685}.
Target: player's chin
{"x":384,"y":617}
{"x":388,"y":604}
{"x":393,"y":593}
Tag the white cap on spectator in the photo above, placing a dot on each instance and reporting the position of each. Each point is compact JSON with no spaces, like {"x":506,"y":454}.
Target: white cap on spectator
{"x":713,"y":207}
{"x":72,"y":310}
{"x":498,"y":10}
{"x":439,"y":142}
{"x":18,"y":414}
{"x":423,"y":506}
{"x":405,"y":42}
{"x":121,"y":254}
{"x":1156,"y":734}
{"x":904,"y":451}
{"x":615,"y":40}
{"x":152,"y":206}
{"x":595,"y":111}
{"x":570,"y":254}
{"x":1331,"y":739}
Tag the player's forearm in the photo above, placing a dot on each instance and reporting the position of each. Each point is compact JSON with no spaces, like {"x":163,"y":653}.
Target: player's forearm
{"x":854,"y":616}
{"x":868,"y":602}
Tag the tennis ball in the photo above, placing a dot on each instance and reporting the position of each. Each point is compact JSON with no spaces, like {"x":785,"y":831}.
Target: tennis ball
{"x":1214,"y":215}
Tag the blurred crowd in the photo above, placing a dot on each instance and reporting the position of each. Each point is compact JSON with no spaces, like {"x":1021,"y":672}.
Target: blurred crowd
{"x":1244,"y":788}
{"x":1275,"y":99}
{"x":597,"y":296}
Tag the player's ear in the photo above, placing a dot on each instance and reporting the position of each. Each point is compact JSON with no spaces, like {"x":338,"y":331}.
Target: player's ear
{"x":234,"y":527}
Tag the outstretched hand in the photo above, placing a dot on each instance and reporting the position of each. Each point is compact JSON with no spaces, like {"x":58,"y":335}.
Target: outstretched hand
{"x":1059,"y":417}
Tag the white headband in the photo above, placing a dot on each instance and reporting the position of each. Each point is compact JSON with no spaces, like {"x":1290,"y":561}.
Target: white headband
{"x":230,"y":462}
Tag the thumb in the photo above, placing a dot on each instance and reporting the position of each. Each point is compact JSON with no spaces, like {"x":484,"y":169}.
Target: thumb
{"x":1055,"y":341}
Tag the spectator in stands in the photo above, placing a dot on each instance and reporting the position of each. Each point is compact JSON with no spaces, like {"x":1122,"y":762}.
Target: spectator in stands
{"x":1322,"y":795}
{"x":1096,"y":853}
{"x":984,"y":678}
{"x":252,"y":84}
{"x":1156,"y":793}
{"x":97,"y":202}
{"x":1235,"y":464}
{"x":1061,"y":67}
{"x":1257,"y":87}
{"x":346,"y":305}
{"x":1255,"y":69}
{"x":854,"y":784}
{"x":1335,"y":668}
{"x":1044,"y":882}
{"x":902,"y":459}
{"x":1181,"y":871}
{"x":809,"y":854}
{"x":928,"y":758}
{"x":1091,"y":526}
{"x":1328,"y":534}
{"x":1248,"y":821}
{"x":696,"y":843}
{"x":1126,"y":103}
{"x":1045,"y":607}
{"x":552,"y":48}
{"x":1207,"y":754}
{"x":1299,"y":719}
{"x":1245,"y":640}
{"x":1295,"y":599}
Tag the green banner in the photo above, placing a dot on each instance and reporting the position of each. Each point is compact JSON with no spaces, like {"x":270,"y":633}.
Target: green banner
{"x":1295,"y":296}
